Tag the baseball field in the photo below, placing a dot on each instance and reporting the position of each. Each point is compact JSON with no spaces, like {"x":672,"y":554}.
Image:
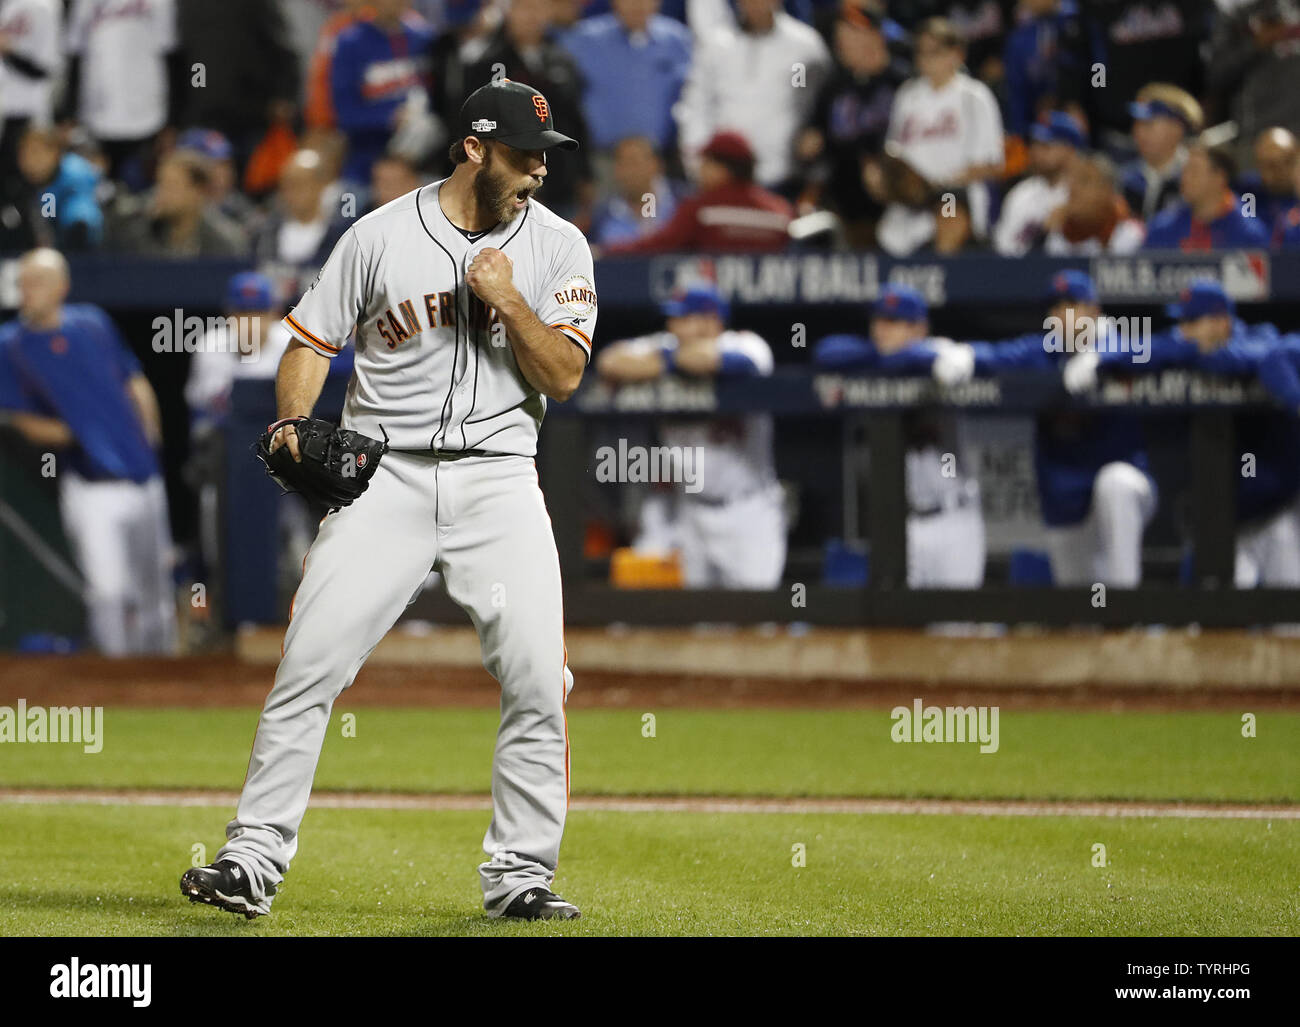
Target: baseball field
{"x":719,"y":807}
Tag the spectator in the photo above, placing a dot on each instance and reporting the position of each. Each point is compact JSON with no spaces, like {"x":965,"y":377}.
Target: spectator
{"x":983,"y":24}
{"x":379,"y":64}
{"x":521,"y":49}
{"x":1287,"y":232}
{"x":250,"y":69}
{"x":178,"y":219}
{"x":741,"y":81}
{"x":1270,"y":190}
{"x":954,"y":228}
{"x":1253,"y":66}
{"x":1210,"y":216}
{"x":70,"y":384}
{"x":730,"y":214}
{"x":732,"y":523}
{"x":459,"y":45}
{"x":124,"y":79}
{"x":632,"y":63}
{"x":1054,"y":145}
{"x":1146,"y":41}
{"x":1094,"y":218}
{"x":30,"y":58}
{"x":332,"y":146}
{"x":945,"y":526}
{"x":299,"y":236}
{"x":945,"y":124}
{"x":851,"y":117}
{"x":645,"y":198}
{"x":908,"y":200}
{"x":1163,"y":117}
{"x":1050,"y":59}
{"x":390,"y":177}
{"x":318,"y":103}
{"x":218,"y":158}
{"x":61,"y":186}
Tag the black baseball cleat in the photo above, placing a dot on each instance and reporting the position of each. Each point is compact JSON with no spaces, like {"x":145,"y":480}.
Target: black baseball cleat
{"x":540,"y":904}
{"x":224,"y":884}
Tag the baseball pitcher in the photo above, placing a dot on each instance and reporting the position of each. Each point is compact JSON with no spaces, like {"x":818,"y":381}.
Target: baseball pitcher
{"x":469,"y":303}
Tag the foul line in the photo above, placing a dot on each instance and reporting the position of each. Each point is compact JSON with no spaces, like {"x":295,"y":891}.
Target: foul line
{"x":679,"y":804}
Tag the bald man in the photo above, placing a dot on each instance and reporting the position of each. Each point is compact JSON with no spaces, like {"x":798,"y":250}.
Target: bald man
{"x":298,"y":238}
{"x":73,"y":389}
{"x":1273,"y":183}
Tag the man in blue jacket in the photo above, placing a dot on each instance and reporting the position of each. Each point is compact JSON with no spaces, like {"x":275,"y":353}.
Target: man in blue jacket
{"x":1210,"y":216}
{"x":945,"y":525}
{"x":1210,"y":337}
{"x":1094,"y":490}
{"x":379,"y":63}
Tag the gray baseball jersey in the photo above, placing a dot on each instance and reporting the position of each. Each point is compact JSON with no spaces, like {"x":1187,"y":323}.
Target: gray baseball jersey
{"x":458,"y":493}
{"x":433,"y":365}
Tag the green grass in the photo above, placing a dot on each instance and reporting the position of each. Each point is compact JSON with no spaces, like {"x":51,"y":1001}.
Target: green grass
{"x":1191,"y":756}
{"x":113,"y":871}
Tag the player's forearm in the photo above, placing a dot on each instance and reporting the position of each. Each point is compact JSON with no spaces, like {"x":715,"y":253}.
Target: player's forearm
{"x":49,"y":432}
{"x":623,"y":365}
{"x":700,"y":358}
{"x":146,"y":408}
{"x":549,"y":359}
{"x":298,"y":380}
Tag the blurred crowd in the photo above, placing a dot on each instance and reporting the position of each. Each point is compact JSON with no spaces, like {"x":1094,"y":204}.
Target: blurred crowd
{"x":261,"y":128}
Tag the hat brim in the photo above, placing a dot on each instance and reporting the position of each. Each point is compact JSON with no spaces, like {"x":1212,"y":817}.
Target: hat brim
{"x":545,"y":139}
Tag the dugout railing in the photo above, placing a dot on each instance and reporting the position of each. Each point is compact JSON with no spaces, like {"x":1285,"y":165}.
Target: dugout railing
{"x":565,"y":467}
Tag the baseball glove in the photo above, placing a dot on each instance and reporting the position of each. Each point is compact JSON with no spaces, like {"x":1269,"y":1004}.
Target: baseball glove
{"x":336,"y":465}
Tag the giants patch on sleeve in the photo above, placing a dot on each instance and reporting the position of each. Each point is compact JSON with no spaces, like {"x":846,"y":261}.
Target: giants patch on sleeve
{"x":578,"y":297}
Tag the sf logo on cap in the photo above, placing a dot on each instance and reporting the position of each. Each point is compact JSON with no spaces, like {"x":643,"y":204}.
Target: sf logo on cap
{"x":539,"y":105}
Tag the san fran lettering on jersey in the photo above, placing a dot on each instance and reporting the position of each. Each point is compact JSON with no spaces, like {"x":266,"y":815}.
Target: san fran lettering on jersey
{"x":430,"y":368}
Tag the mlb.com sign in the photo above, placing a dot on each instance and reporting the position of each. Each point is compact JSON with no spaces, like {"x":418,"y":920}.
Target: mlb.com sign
{"x":1246,"y":275}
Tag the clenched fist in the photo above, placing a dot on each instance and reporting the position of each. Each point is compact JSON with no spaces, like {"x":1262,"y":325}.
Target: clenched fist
{"x":491,"y":275}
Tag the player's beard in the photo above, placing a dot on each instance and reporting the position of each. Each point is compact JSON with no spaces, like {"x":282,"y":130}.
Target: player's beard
{"x":495,"y":192}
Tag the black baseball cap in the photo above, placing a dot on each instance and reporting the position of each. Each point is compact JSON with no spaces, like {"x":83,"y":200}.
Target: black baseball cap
{"x":514,"y":114}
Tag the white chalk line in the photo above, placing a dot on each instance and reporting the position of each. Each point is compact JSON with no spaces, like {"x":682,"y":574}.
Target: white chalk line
{"x":678,"y":804}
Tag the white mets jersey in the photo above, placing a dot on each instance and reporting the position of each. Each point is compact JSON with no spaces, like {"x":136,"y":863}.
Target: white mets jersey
{"x":434,"y":367}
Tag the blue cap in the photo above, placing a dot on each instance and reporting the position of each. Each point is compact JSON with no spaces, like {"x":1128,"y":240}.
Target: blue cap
{"x":250,"y":290}
{"x":1202,"y":297}
{"x":1147,"y":109}
{"x":702,"y":298}
{"x":901,"y":303}
{"x":1059,"y":127}
{"x":1073,"y":285}
{"x":205,"y":141}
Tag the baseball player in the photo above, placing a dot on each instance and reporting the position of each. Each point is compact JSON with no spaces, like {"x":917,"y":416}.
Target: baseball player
{"x":469,"y":304}
{"x":1094,"y":490}
{"x":1208,"y":336}
{"x":70,"y":385}
{"x":945,"y":525}
{"x":732,"y":528}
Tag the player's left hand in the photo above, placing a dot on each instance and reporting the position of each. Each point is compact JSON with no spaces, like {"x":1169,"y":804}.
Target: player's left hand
{"x":491,"y":275}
